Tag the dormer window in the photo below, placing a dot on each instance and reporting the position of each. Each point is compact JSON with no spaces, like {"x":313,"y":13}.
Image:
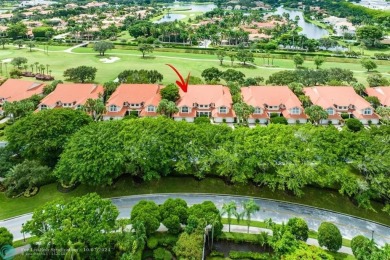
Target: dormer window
{"x":330,"y":111}
{"x":367,"y":111}
{"x":282,"y":106}
{"x":295,"y":111}
{"x":43,"y":107}
{"x":151,"y":108}
{"x":112,"y":108}
{"x":184,"y":109}
{"x":223,"y":110}
{"x":258,"y":110}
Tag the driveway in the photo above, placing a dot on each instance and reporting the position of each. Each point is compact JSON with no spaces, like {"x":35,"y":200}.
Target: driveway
{"x":278,"y":211}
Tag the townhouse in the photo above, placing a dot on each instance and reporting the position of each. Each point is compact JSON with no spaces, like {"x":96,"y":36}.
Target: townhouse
{"x":269,"y":100}
{"x":17,"y":90}
{"x":382,"y":93}
{"x":213,"y":101}
{"x":341,"y":100}
{"x":138,"y":99}
{"x":71,"y":95}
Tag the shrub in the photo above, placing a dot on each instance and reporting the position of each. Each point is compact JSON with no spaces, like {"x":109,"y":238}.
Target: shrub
{"x":202,"y":120}
{"x":152,"y":242}
{"x":162,"y":254}
{"x":354,"y":125}
{"x":247,"y":255}
{"x":299,"y":228}
{"x":344,"y":115}
{"x":329,"y":236}
{"x":356,"y":243}
{"x":279,"y":120}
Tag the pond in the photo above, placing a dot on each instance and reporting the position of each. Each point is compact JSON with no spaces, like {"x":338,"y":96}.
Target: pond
{"x":192,"y":7}
{"x":171,"y":18}
{"x":310,"y":30}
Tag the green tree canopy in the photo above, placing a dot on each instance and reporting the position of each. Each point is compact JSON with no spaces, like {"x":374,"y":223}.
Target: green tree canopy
{"x":211,"y":74}
{"x":298,"y":60}
{"x":370,"y":35}
{"x":329,"y":236}
{"x":298,"y":228}
{"x":102,"y":47}
{"x":146,"y":212}
{"x":316,"y":114}
{"x":42,"y":136}
{"x":170,"y":93}
{"x":84,"y":222}
{"x":173,"y":212}
{"x":16,"y":30}
{"x":368,"y":64}
{"x":81,"y":74}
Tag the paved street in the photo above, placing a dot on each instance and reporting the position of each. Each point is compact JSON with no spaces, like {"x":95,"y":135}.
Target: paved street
{"x":278,"y":211}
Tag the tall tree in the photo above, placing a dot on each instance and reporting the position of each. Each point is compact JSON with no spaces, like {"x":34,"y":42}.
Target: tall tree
{"x":87,"y":220}
{"x":167,"y":108}
{"x":316,"y":114}
{"x":102,"y":47}
{"x":95,"y":107}
{"x":221,"y":53}
{"x":145,"y":48}
{"x":81,"y":74}
{"x":249,"y":208}
{"x":230,"y":209}
{"x":245,"y":56}
{"x":243,"y":111}
{"x":42,"y":136}
{"x":170,"y":93}
{"x":318,"y":61}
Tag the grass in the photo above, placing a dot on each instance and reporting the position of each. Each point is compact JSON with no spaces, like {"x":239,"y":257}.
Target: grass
{"x":185,"y":62}
{"x":321,"y":198}
{"x":29,"y":240}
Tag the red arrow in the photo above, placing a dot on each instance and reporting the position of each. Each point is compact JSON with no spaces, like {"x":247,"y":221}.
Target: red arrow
{"x":182,"y":84}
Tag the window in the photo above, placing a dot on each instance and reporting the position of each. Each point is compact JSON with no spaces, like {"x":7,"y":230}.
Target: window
{"x":223,"y":110}
{"x":295,"y":111}
{"x":112,"y":108}
{"x":184,"y":109}
{"x":367,"y":111}
{"x":150,"y":108}
{"x":43,"y":107}
{"x":330,"y":111}
{"x":258,"y":110}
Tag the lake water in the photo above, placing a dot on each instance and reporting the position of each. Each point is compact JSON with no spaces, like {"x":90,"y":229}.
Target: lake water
{"x":194,"y":7}
{"x":310,"y":30}
{"x":171,"y":18}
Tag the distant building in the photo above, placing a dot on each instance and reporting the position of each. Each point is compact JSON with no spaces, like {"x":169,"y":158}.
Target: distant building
{"x":382,"y":93}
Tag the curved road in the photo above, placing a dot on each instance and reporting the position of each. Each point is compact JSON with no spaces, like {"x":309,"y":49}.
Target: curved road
{"x":278,"y":211}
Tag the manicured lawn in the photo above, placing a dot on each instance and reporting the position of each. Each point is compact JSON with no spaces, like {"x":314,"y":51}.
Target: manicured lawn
{"x":125,"y":186}
{"x":185,"y":62}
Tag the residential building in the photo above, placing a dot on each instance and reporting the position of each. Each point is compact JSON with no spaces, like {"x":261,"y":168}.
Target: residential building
{"x":269,"y":100}
{"x":140,"y":99}
{"x":71,"y":95}
{"x":214,"y":101}
{"x":341,"y":100}
{"x":17,"y":90}
{"x":382,"y":93}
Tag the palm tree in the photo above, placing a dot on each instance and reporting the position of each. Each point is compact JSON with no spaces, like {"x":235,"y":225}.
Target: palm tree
{"x":249,"y":207}
{"x":95,"y":107}
{"x":343,"y":29}
{"x":36,"y":66}
{"x":230,"y":209}
{"x":42,"y":68}
{"x":32,"y":68}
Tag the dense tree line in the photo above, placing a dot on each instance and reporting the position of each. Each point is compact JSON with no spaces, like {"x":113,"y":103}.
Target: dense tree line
{"x":281,"y":157}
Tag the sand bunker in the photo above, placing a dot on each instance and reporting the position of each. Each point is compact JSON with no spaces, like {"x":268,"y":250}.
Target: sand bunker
{"x":7,"y":60}
{"x":110,"y":59}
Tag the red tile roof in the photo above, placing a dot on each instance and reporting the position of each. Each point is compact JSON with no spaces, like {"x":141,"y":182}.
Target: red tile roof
{"x":17,"y":89}
{"x":73,"y":93}
{"x":205,"y":95}
{"x":382,"y":93}
{"x":136,"y":93}
{"x":326,"y":97}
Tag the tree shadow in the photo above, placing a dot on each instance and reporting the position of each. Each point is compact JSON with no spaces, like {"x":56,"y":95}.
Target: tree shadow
{"x":148,"y":58}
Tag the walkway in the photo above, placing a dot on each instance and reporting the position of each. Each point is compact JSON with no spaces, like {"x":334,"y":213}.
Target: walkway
{"x":278,"y":211}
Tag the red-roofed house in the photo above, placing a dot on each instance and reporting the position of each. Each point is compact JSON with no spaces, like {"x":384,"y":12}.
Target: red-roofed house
{"x":269,"y":99}
{"x":338,"y":100}
{"x":17,"y":90}
{"x":382,"y":93}
{"x":71,"y":95}
{"x":140,"y":98}
{"x":214,"y":101}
